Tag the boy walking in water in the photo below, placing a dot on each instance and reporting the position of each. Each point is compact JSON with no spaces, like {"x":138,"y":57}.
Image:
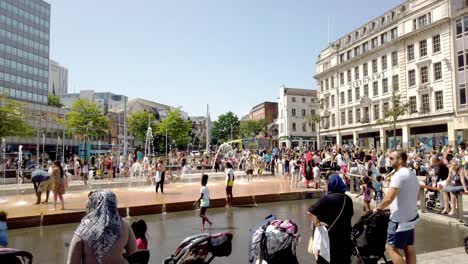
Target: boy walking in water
{"x":204,"y":201}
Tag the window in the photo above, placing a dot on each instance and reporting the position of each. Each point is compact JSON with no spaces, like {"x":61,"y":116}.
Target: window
{"x":350,"y":96}
{"x":383,"y":38}
{"x":366,"y":90}
{"x":423,"y":48}
{"x":293,"y":111}
{"x":342,"y":98}
{"x":412,"y":77}
{"x":294,"y":98}
{"x":375,"y":89}
{"x":385,"y":108}
{"x":364,"y":70}
{"x":412,"y":104}
{"x":327,"y":84}
{"x":358,"y":115}
{"x":385,"y":85}
{"x":394,"y":58}
{"x":462,"y":94}
{"x":281,"y":128}
{"x":395,"y":83}
{"x":461,"y":61}
{"x":342,"y":58}
{"x":365,"y":46}
{"x":436,"y":43}
{"x":439,"y":100}
{"x":348,"y":55}
{"x":376,"y":112}
{"x":357,"y":93}
{"x":327,"y":103}
{"x":303,"y":112}
{"x":356,"y":51}
{"x":341,"y":78}
{"x":348,"y":76}
{"x":356,"y":73}
{"x":423,"y":20}
{"x":394,"y":33}
{"x":304,"y":127}
{"x":411,"y":52}
{"x":425,"y":103}
{"x":333,"y":120}
{"x":332,"y":101}
{"x":384,"y":62}
{"x":437,"y":71}
{"x":374,"y":66}
{"x":343,"y":118}
{"x":424,"y":74}
{"x":350,"y":117}
{"x":459,"y":28}
{"x":303,"y":100}
{"x":374,"y":43}
{"x":332,"y":82}
{"x":294,"y":126}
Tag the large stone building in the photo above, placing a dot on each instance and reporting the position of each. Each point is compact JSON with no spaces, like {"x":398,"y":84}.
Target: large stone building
{"x":418,"y":50}
{"x":24,"y":49}
{"x":58,"y":78}
{"x":294,"y":108}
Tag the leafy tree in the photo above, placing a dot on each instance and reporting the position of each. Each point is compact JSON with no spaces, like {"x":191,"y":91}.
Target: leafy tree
{"x":12,"y":118}
{"x":86,"y":120}
{"x":252,"y":128}
{"x":178,"y":129}
{"x":394,"y":113}
{"x":54,"y":100}
{"x":316,"y":119}
{"x":138,"y":124}
{"x":225,"y":125}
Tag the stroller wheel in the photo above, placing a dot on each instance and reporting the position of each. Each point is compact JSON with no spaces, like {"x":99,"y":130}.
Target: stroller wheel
{"x":168,"y":260}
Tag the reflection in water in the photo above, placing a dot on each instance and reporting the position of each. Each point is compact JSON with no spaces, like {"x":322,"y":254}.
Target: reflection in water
{"x":165,"y":232}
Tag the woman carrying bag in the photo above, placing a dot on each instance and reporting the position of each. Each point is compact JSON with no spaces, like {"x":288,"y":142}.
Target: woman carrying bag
{"x":334,"y":212}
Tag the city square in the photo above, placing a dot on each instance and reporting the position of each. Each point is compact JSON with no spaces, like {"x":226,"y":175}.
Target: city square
{"x":233,"y":131}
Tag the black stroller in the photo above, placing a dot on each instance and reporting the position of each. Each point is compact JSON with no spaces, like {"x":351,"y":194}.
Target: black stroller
{"x":369,"y":236}
{"x":13,"y":256}
{"x":274,"y":242}
{"x":195,"y":249}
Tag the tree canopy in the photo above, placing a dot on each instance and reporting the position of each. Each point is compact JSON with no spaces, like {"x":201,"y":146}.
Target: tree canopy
{"x":138,"y":124}
{"x":86,"y":120}
{"x":394,"y":113}
{"x":222,"y":127}
{"x":178,"y":129}
{"x":12,"y":118}
{"x":54,"y":100}
{"x":252,"y":128}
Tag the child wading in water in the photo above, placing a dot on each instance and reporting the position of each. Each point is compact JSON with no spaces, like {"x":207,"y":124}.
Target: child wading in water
{"x":367,"y":189}
{"x":204,"y":201}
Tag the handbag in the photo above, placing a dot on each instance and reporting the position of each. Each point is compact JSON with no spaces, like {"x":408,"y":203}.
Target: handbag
{"x":311,"y":239}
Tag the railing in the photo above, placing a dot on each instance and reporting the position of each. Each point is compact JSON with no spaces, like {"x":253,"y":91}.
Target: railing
{"x":421,"y":195}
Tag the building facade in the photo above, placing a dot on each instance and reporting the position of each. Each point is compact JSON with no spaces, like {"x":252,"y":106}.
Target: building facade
{"x":106,"y":101}
{"x":294,"y":108}
{"x":24,"y":49}
{"x":266,"y":110}
{"x":409,"y":51}
{"x":58,"y":78}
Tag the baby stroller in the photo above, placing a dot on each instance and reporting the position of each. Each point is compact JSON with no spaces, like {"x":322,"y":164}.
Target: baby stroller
{"x":369,"y":236}
{"x":195,"y":249}
{"x":274,"y":242}
{"x":13,"y":256}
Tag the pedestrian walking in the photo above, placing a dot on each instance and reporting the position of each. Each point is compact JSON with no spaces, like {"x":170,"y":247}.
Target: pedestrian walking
{"x":161,"y":170}
{"x":58,"y":179}
{"x":204,"y":201}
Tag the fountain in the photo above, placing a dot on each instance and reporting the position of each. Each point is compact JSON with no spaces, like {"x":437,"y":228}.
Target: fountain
{"x":19,"y":177}
{"x":3,"y":149}
{"x":149,"y":141}
{"x":225,"y":150}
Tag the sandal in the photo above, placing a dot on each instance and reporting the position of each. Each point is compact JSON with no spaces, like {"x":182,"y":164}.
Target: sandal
{"x":451,"y":213}
{"x":443,"y":212}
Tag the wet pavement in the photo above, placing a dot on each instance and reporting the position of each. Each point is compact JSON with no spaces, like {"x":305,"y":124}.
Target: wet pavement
{"x":49,"y":244}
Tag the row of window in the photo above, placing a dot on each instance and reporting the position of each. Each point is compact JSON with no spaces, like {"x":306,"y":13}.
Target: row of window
{"x":22,"y":40}
{"x":23,"y":67}
{"x":461,"y":26}
{"x":293,"y":112}
{"x":294,"y":127}
{"x":423,"y":51}
{"x":463,"y":95}
{"x":22,"y":81}
{"x":293,"y":99}
{"x":35,"y":7}
{"x":424,"y":74}
{"x":24,"y":54}
{"x":375,"y":91}
{"x":23,"y":14}
{"x":13,"y":93}
{"x":24,"y":28}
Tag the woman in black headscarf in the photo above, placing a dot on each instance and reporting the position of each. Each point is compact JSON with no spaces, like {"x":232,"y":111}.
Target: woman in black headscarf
{"x":336,"y":210}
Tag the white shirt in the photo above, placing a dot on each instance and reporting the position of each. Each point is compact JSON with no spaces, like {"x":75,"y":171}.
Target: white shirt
{"x":339,"y":160}
{"x":404,"y":208}
{"x":205,"y":201}
{"x":316,"y":172}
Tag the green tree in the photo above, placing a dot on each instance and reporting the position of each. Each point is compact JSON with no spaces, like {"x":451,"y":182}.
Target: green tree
{"x":226,"y":125}
{"x":178,"y":129}
{"x":394,"y":113}
{"x":316,"y":119}
{"x":54,"y":100}
{"x":138,"y":124}
{"x":252,"y":128}
{"x":12,"y":118}
{"x":86,"y":120}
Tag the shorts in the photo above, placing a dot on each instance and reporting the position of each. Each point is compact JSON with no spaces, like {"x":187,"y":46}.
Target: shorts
{"x":229,"y":190}
{"x":249,"y":171}
{"x":203,"y":210}
{"x":453,"y":189}
{"x":45,"y":186}
{"x":399,"y":240}
{"x":286,"y":169}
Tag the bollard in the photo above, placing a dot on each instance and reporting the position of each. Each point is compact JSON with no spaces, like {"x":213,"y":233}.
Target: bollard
{"x":460,"y":212}
{"x":422,"y":200}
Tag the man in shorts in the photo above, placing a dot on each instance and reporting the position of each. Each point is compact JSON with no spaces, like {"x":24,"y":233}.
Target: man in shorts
{"x":42,"y":184}
{"x":402,"y":198}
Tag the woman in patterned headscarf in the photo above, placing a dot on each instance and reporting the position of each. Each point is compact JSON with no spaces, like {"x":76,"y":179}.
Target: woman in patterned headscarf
{"x":102,"y":236}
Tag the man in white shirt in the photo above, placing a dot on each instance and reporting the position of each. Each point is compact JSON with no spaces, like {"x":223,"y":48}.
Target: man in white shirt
{"x":402,"y":198}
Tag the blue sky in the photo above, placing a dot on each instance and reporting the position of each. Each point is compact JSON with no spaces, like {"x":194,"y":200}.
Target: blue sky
{"x":231,"y":54}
